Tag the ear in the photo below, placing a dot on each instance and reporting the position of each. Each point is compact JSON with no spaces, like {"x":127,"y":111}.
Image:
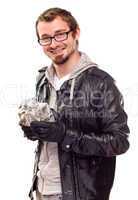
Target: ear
{"x":77,"y":33}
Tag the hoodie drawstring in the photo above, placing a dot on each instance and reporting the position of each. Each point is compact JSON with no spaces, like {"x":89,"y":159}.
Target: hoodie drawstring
{"x":72,"y":90}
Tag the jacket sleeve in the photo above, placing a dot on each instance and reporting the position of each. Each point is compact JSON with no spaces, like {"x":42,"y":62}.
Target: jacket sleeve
{"x":112,"y":138}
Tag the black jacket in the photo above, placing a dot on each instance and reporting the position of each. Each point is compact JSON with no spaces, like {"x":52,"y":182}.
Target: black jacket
{"x":96,"y":131}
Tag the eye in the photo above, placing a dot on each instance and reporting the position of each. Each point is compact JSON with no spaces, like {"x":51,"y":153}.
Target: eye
{"x":60,"y":35}
{"x":45,"y":39}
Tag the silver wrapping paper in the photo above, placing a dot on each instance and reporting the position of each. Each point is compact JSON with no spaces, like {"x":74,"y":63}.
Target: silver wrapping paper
{"x":32,"y":110}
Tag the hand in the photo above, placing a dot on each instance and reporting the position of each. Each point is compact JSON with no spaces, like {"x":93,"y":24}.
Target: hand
{"x":48,"y":131}
{"x":28,"y":133}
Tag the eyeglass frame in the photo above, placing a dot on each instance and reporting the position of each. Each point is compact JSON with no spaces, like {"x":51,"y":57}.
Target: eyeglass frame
{"x":54,"y":37}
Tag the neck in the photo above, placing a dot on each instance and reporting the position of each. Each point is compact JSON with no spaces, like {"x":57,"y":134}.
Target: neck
{"x":68,"y":66}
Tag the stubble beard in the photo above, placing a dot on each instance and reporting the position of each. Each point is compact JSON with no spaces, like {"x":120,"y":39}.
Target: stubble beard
{"x":59,"y":60}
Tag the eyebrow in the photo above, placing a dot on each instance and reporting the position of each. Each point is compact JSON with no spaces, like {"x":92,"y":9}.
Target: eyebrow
{"x":61,"y":30}
{"x":58,"y":31}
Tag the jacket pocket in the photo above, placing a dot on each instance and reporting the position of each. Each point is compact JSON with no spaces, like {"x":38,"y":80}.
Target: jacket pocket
{"x":87,"y":170}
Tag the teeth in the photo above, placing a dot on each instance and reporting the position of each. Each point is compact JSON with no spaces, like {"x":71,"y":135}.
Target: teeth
{"x":56,"y":51}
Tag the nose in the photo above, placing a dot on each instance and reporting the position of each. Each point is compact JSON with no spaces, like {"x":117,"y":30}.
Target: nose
{"x":54,"y":43}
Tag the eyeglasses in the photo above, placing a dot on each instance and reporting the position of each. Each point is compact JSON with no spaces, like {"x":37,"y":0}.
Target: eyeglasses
{"x":58,"y":38}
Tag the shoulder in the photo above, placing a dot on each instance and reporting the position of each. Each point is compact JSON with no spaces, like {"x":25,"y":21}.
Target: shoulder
{"x":100,"y":74}
{"x":40,"y":75}
{"x":41,"y":72}
{"x":42,"y":69}
{"x":105,"y":81}
{"x":100,"y":80}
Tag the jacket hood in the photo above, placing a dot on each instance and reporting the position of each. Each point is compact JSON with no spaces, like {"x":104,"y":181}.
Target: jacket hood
{"x":83,"y":64}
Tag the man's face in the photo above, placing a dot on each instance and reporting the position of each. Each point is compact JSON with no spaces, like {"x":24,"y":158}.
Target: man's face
{"x":58,"y":52}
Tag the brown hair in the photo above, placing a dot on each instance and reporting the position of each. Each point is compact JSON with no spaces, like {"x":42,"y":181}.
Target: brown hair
{"x":50,"y":14}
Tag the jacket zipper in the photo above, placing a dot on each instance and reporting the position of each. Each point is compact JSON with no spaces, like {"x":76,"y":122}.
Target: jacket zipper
{"x":75,"y":171}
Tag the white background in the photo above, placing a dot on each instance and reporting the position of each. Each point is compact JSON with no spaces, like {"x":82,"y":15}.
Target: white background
{"x":109,"y":35}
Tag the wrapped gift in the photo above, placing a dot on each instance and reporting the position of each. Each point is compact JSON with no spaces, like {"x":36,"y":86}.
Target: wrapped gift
{"x":32,"y":110}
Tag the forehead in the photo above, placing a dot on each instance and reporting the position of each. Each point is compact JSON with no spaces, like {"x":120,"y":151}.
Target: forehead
{"x":58,"y":24}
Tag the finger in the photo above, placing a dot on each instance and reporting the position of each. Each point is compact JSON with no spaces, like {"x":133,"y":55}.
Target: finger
{"x":26,"y":128}
{"x":38,"y":130}
{"x":41,"y":124}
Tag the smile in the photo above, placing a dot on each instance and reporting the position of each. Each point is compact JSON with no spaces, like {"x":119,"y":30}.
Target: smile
{"x":57,"y":51}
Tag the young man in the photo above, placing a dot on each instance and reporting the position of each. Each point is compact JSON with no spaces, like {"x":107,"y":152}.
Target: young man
{"x":77,"y":152}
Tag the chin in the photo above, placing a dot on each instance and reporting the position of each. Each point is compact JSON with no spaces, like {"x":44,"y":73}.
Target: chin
{"x":60,"y":59}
